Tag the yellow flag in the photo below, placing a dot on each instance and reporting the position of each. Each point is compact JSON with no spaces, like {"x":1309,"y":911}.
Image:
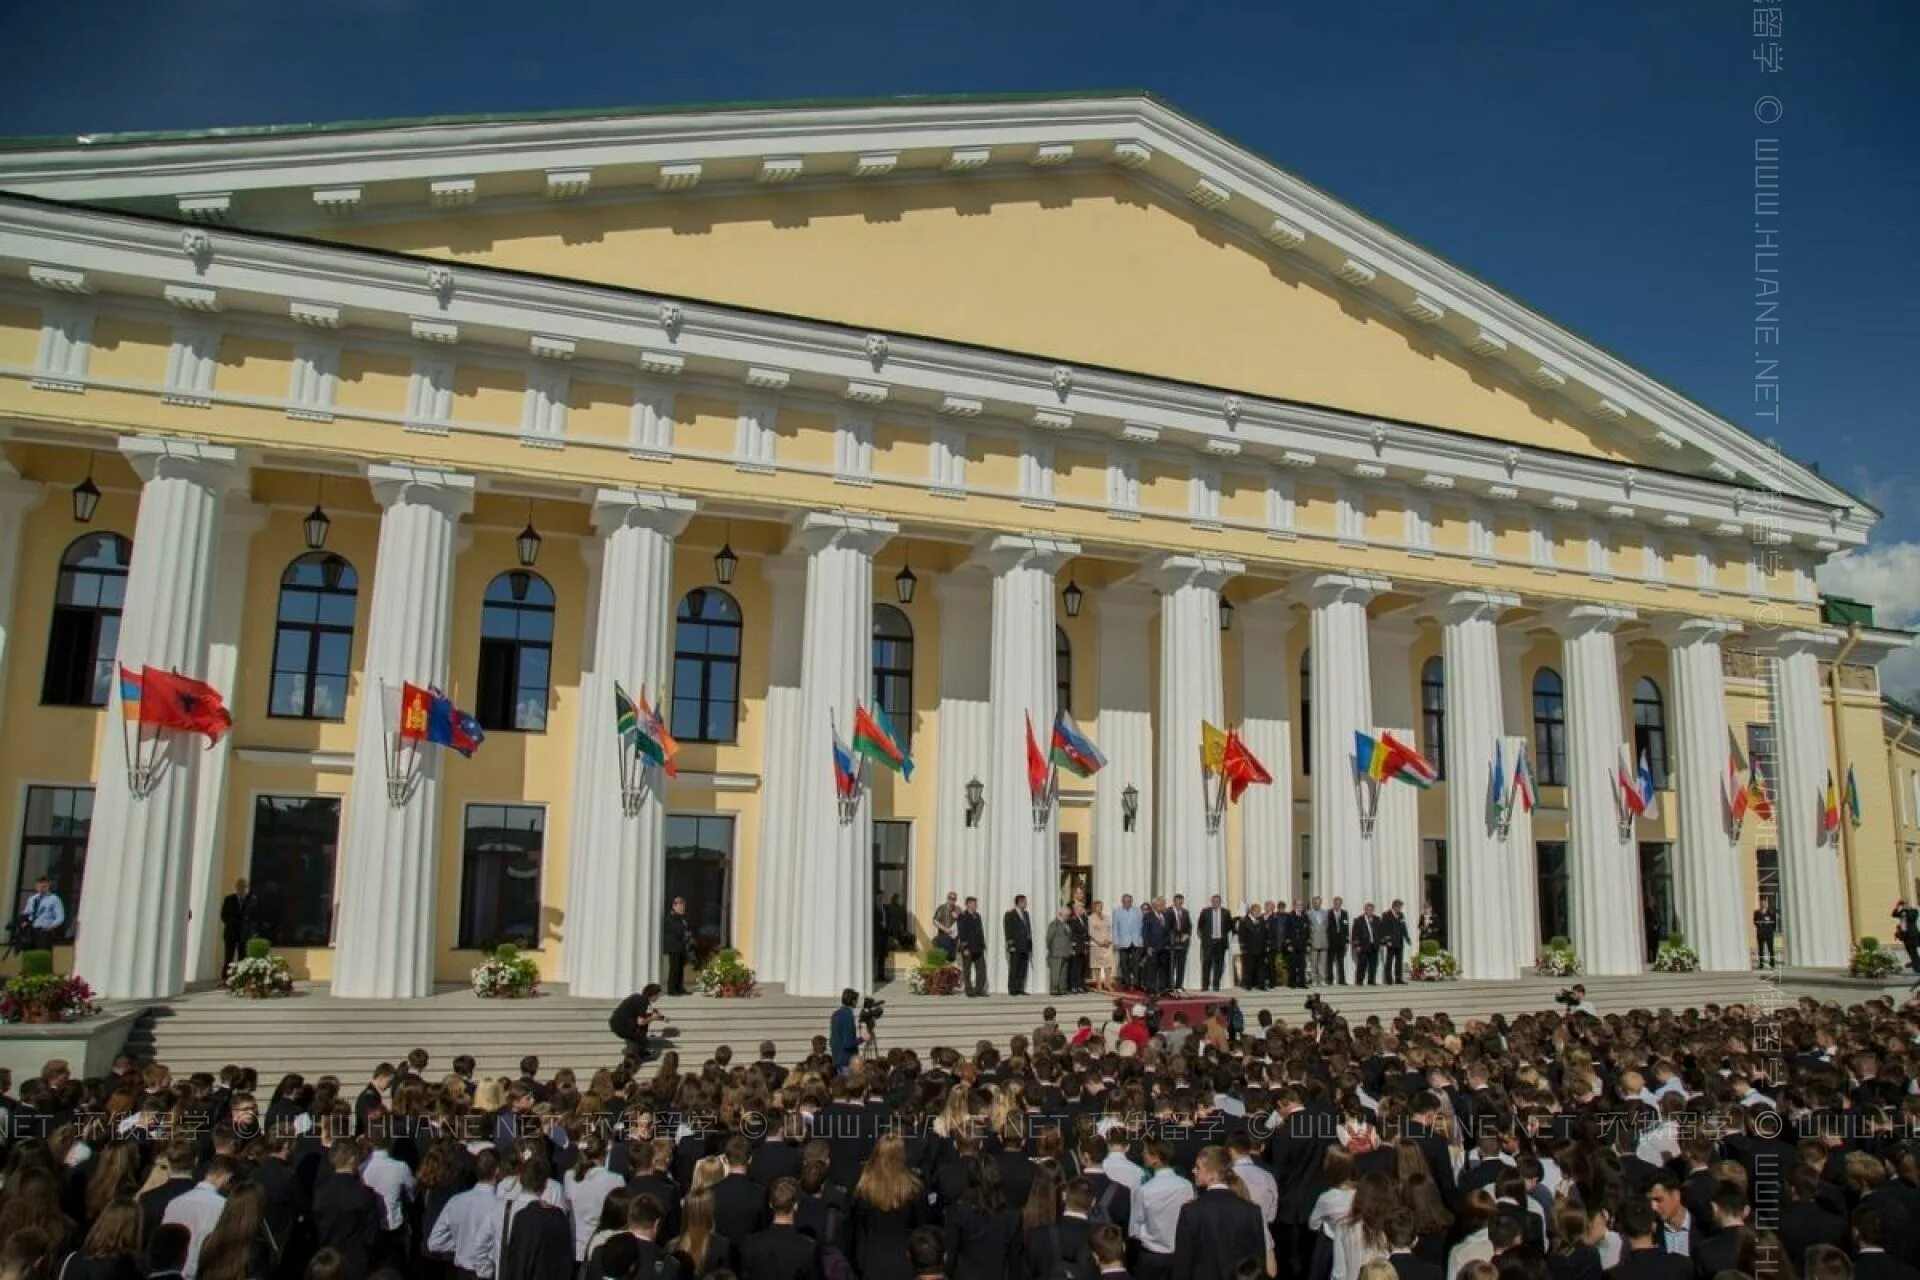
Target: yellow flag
{"x":1213,"y":748}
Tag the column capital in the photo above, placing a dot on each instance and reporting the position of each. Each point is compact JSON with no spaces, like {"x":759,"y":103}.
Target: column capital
{"x":817,"y":531}
{"x":451,"y":492}
{"x":1677,"y":631}
{"x":1450,"y":606}
{"x":1000,"y":552}
{"x":213,"y":465}
{"x":1323,"y":589}
{"x":1569,"y":620}
{"x":1169,"y":573}
{"x":664,"y":513}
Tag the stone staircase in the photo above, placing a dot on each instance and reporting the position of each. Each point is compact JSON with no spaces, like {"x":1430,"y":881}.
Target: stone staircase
{"x":314,"y":1033}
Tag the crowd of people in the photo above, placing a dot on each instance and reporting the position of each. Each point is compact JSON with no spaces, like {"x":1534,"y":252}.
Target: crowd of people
{"x":1712,"y":1144}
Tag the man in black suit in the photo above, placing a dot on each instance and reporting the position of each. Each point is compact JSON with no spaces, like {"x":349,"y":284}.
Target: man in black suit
{"x":1765,"y":924}
{"x":637,"y":1250}
{"x":1299,"y":942}
{"x":1182,"y":942}
{"x":1407,"y":1265}
{"x":882,"y":945}
{"x":676,"y":943}
{"x":1217,"y":1230}
{"x":1805,"y":1222}
{"x":1367,"y":933}
{"x":238,"y":921}
{"x":971,"y":932}
{"x":1216,"y":926}
{"x":782,"y":1251}
{"x":1302,"y":1130}
{"x":1393,"y":941}
{"x":1017,"y":928}
{"x":1874,"y":1258}
{"x":1081,"y":932}
{"x":1423,"y":1116}
{"x":1720,"y":1251}
{"x":1339,"y":934}
{"x":739,"y":1203}
{"x":1644,"y":1258}
{"x":1155,"y":937}
{"x":1907,"y":930}
{"x":1253,"y":942}
{"x":1065,"y":1242}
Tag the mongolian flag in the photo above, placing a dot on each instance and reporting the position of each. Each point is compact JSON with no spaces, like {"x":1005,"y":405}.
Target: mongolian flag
{"x":873,"y":738}
{"x":169,"y":700}
{"x":428,"y":715}
{"x":1038,"y":770}
{"x":1073,"y":750}
{"x":1853,"y":798}
{"x":1240,"y":767}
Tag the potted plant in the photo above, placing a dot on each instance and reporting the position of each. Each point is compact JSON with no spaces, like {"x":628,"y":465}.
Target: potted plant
{"x":507,"y":974}
{"x":1675,"y":956}
{"x":1557,"y":959}
{"x":1434,"y":963}
{"x":935,"y":975}
{"x":41,"y":995}
{"x":260,"y":974}
{"x":1871,"y":960}
{"x":727,"y":976}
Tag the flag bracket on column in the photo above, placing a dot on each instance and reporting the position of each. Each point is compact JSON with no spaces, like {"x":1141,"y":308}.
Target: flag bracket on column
{"x":1213,"y":774}
{"x":415,"y":715}
{"x":1384,"y":759}
{"x":1043,"y":780}
{"x":849,"y":772}
{"x":153,"y":702}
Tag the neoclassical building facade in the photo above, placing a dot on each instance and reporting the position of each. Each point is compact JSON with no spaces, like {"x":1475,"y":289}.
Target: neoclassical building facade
{"x":976,"y":410}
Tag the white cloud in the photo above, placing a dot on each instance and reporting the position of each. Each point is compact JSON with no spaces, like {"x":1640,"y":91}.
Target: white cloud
{"x":1888,"y":578}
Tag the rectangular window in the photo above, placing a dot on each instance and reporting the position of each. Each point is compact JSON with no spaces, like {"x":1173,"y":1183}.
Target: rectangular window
{"x":53,"y":843}
{"x":291,"y":872}
{"x":700,"y":869}
{"x":1659,"y":916}
{"x":892,"y":846}
{"x":500,"y":875}
{"x":1556,"y":919}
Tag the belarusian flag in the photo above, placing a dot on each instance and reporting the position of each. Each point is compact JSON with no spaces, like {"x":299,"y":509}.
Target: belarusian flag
{"x":873,"y":738}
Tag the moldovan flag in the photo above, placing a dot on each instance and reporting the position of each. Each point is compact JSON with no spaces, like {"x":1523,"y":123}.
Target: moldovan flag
{"x":1213,"y":749}
{"x":1037,"y":768}
{"x":1757,"y":799}
{"x":873,"y":738}
{"x":1853,"y":798}
{"x":1241,"y":768}
{"x":173,"y":701}
{"x":1830,"y":807}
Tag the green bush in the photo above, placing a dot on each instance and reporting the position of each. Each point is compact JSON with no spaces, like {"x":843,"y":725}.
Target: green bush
{"x":506,"y":952}
{"x":36,"y":964}
{"x":1676,"y":939}
{"x":258,"y":948}
{"x":1430,"y":946}
{"x":1870,"y":943}
{"x":1559,"y":944}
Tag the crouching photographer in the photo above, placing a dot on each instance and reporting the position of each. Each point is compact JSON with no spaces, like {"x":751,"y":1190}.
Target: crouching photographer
{"x":1574,"y":1000}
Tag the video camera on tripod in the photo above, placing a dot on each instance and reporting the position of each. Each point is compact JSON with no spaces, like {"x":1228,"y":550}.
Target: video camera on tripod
{"x":871,"y":1011}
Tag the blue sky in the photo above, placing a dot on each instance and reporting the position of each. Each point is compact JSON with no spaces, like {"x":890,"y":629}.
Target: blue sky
{"x":1592,"y":160}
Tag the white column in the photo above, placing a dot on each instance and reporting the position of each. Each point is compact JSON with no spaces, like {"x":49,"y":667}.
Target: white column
{"x":1707,"y":879}
{"x":1813,"y":900}
{"x":1020,"y":859}
{"x":1122,"y":859}
{"x":1516,"y":701}
{"x":619,"y":862}
{"x":17,"y":497}
{"x":832,"y":904}
{"x":1266,"y":722}
{"x":573,"y":940}
{"x":1343,"y":862}
{"x":133,"y":909}
{"x":1396,"y":828}
{"x":1189,"y":859}
{"x":1482,"y":881}
{"x":784,"y":764}
{"x":1603,"y":865}
{"x":384,"y":941}
{"x":238,"y":525}
{"x":965,"y":750}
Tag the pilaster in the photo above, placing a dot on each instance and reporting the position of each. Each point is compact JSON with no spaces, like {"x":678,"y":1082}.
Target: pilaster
{"x":1191,"y":860}
{"x":17,"y":497}
{"x":783,"y":767}
{"x":1343,"y":861}
{"x":1124,"y":730}
{"x":1267,"y":695}
{"x":965,"y":753}
{"x":1707,"y":875}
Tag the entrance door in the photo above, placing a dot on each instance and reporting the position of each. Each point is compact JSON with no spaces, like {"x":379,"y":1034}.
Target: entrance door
{"x":700,"y":869}
{"x":1076,"y":881}
{"x":1555,"y":914}
{"x":1433,"y":883}
{"x":1657,"y":911}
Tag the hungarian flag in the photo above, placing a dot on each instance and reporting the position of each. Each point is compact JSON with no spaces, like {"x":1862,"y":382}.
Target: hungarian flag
{"x":169,"y":700}
{"x":1522,"y":780}
{"x":1037,"y":767}
{"x":1242,"y":770}
{"x":1073,"y":750}
{"x":656,"y":744}
{"x":1853,"y":799}
{"x":873,"y":738}
{"x":1830,"y":807}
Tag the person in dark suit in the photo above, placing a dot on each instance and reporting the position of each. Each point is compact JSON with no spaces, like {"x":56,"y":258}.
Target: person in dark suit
{"x":676,"y":943}
{"x":630,"y":1018}
{"x":1720,"y":1250}
{"x":1644,"y":1258}
{"x":1907,"y":930}
{"x":1216,"y":928}
{"x":1181,"y":942}
{"x":1765,"y":924}
{"x":1874,"y":1258}
{"x":972,"y":934}
{"x":1016,"y":927}
{"x":1155,"y":938}
{"x":1066,"y":1241}
{"x":1368,"y":931}
{"x":1393,"y":942}
{"x":1805,"y":1222}
{"x":882,"y":940}
{"x":782,"y":1251}
{"x":1253,"y":941}
{"x":346,"y":1213}
{"x":1080,"y":927}
{"x":1406,"y":1264}
{"x":1299,"y":940}
{"x":1217,"y":1230}
{"x":739,"y":1203}
{"x":239,"y":920}
{"x":1339,"y":934}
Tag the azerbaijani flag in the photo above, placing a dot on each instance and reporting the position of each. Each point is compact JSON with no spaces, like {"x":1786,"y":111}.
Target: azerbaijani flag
{"x":1522,"y":780}
{"x":1830,"y":807}
{"x":1073,"y":750}
{"x":1037,"y":766}
{"x":1241,"y":768}
{"x":130,"y":691}
{"x":873,"y":738}
{"x":845,"y":781}
{"x":1853,"y":798}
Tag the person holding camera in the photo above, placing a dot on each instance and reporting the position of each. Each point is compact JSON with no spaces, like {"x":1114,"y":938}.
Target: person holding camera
{"x":1575,"y":999}
{"x":843,"y":1032}
{"x":43,"y":917}
{"x":1908,"y":932}
{"x":631,"y":1017}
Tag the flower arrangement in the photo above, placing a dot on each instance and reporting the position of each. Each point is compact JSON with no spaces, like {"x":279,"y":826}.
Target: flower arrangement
{"x":1557,"y":959}
{"x":260,"y":974}
{"x":727,"y":977}
{"x":1675,"y":956}
{"x":507,"y":974}
{"x":41,"y":995}
{"x":1434,"y":963}
{"x":1871,"y":960}
{"x":935,"y":975}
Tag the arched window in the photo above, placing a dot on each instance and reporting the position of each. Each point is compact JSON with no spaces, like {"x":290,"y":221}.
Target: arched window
{"x":1306,"y":712}
{"x":893,"y":668}
{"x":86,"y":621}
{"x":1062,"y":670}
{"x":1433,"y":712}
{"x":1549,"y":728}
{"x":516,"y":652}
{"x":706,"y":667}
{"x":1650,"y":729}
{"x":313,"y":645}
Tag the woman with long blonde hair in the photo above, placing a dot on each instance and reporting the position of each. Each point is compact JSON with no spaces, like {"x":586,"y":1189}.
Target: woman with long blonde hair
{"x":700,"y":1249}
{"x":886,"y":1205}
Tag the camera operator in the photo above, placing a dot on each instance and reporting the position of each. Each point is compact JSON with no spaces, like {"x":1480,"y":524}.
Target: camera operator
{"x":1575,"y":1000}
{"x":1325,"y":1017}
{"x":844,"y":1036}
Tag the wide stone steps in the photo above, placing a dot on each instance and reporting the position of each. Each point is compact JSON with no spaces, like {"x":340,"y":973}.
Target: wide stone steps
{"x":314,"y":1033}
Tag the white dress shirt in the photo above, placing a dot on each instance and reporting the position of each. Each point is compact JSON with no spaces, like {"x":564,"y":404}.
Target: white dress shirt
{"x":1475,"y":1248}
{"x":45,"y":912}
{"x":588,"y":1196}
{"x":1122,"y":1170}
{"x":392,"y":1181}
{"x":1261,"y":1186}
{"x":469,"y":1229}
{"x":197,"y":1211}
{"x":1156,"y":1210}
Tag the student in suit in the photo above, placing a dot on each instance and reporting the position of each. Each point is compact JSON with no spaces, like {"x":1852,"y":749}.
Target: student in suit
{"x":1765,"y":925}
{"x":1644,"y":1258}
{"x":972,"y":934}
{"x":1253,"y":945}
{"x":1154,"y":939}
{"x":782,"y":1251}
{"x":1368,"y":932}
{"x":1393,"y":943}
{"x":1907,"y":930}
{"x":1216,"y":928}
{"x":1016,"y":927}
{"x":1181,"y":943}
{"x":1217,"y":1231}
{"x":1066,"y":1241}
